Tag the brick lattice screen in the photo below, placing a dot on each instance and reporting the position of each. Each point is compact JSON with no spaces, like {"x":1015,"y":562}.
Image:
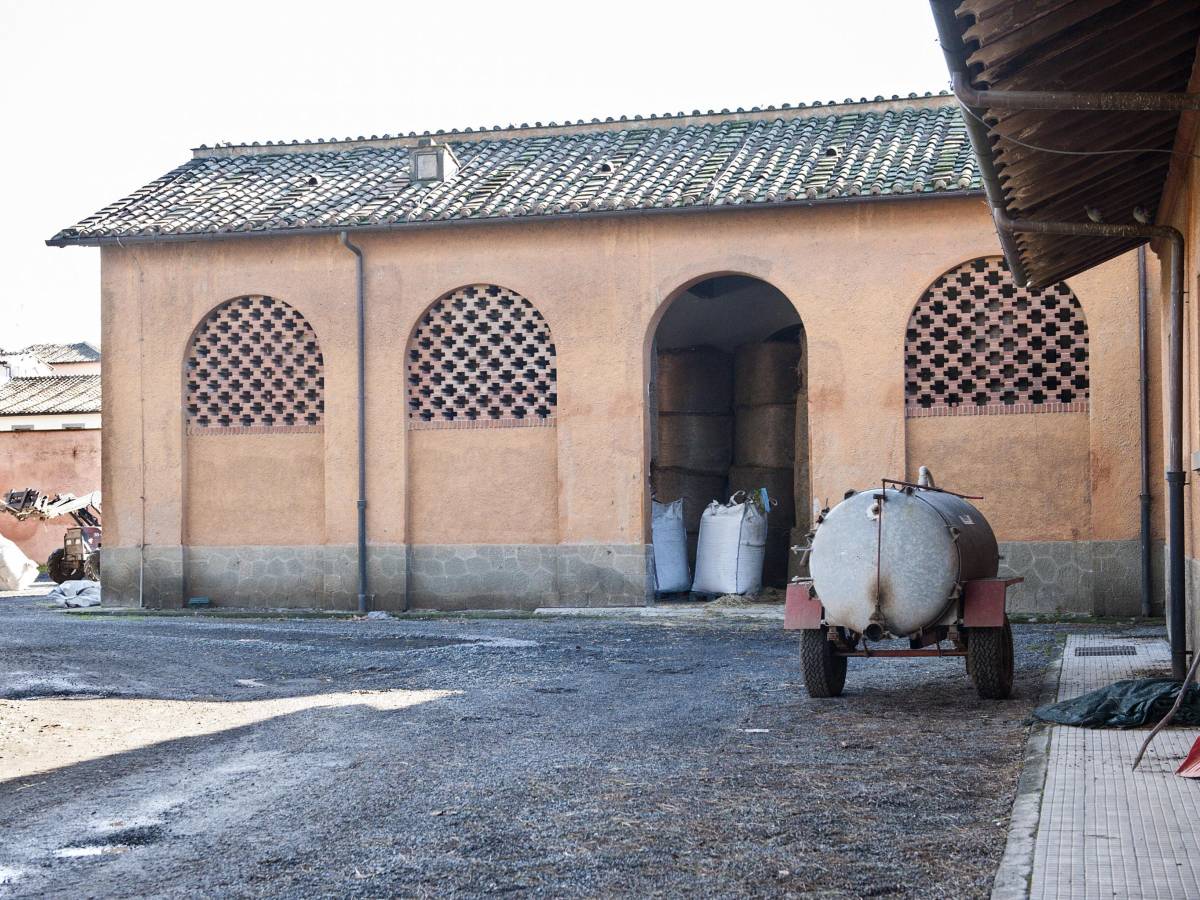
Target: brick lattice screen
{"x":481,"y":357}
{"x":978,"y":345}
{"x":254,"y":366}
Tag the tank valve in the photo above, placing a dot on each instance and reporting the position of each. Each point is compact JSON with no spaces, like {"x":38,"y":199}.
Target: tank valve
{"x":874,"y":632}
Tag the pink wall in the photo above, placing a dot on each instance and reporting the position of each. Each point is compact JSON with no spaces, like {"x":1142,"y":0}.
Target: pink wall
{"x":51,"y":461}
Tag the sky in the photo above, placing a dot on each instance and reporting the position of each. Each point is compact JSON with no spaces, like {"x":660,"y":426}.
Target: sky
{"x":96,"y":99}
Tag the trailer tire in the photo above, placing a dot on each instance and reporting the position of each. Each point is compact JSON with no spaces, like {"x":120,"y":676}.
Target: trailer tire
{"x":990,"y":661}
{"x":824,"y":672}
{"x":91,"y":566}
{"x":56,"y":566}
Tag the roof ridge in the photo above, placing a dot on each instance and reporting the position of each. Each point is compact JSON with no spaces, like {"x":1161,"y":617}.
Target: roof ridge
{"x":52,"y":377}
{"x":624,"y":122}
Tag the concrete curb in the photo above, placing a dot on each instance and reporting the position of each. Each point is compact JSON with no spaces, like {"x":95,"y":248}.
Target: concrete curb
{"x":1014,"y":876}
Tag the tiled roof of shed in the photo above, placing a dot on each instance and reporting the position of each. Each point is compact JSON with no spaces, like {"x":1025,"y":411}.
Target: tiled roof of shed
{"x":912,"y":147}
{"x":50,"y":395}
{"x":58,"y":354}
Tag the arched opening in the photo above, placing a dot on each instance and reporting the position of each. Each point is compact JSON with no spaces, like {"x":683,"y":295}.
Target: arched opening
{"x":997,"y":391}
{"x":979,"y":344}
{"x":481,"y":390}
{"x":253,"y":400}
{"x":729,"y":408}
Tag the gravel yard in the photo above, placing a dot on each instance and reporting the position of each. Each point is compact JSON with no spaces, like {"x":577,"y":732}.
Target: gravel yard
{"x":456,"y":757}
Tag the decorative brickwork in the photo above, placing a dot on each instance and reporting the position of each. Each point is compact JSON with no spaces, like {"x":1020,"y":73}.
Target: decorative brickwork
{"x":481,"y":357}
{"x":254,"y":366}
{"x":979,"y":345}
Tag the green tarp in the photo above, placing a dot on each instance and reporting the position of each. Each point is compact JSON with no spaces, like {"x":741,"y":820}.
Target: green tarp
{"x":1125,"y":704}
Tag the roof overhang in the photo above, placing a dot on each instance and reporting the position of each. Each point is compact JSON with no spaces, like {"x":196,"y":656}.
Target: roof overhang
{"x":311,"y":231}
{"x":1133,"y":47}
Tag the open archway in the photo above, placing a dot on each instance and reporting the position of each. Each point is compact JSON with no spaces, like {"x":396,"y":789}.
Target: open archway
{"x":728,"y":407}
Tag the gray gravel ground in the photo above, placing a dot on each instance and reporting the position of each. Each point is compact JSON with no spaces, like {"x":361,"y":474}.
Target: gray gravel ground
{"x":605,"y":758}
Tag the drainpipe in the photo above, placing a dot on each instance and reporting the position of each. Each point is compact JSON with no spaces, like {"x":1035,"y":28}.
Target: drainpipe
{"x":1083,"y":101}
{"x":1144,"y":423}
{"x":1173,"y":242}
{"x":362,"y":421}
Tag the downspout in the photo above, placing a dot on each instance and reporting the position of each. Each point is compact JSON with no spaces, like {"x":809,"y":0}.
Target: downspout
{"x":1144,"y":543}
{"x":362,"y":420}
{"x":1173,"y":242}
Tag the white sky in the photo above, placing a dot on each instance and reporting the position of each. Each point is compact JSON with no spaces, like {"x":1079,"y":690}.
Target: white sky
{"x":98,"y":98}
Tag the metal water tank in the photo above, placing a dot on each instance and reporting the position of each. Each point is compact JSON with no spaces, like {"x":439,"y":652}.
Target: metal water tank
{"x":892,"y":559}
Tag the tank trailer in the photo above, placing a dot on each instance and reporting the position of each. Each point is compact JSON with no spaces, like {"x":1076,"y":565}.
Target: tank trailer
{"x":906,"y":560}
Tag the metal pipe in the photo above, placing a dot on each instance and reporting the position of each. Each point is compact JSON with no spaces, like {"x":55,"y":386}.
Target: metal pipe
{"x":1176,"y":582}
{"x":1144,"y":425}
{"x":1104,"y":101}
{"x":950,"y":37}
{"x":362,"y":420}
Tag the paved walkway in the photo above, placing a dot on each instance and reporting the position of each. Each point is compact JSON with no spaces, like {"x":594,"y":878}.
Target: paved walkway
{"x":1102,"y":830}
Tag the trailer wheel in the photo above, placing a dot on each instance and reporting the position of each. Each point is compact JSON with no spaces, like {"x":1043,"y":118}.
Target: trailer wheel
{"x":990,"y":661}
{"x":824,"y":672}
{"x":56,"y":566}
{"x":91,"y":566}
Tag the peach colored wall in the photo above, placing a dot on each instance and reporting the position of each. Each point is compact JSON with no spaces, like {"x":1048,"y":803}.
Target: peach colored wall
{"x":51,"y":461}
{"x":255,"y":489}
{"x":1180,"y":209}
{"x":1032,"y":470}
{"x":1056,"y":476}
{"x":853,"y":272}
{"x":515,"y":503}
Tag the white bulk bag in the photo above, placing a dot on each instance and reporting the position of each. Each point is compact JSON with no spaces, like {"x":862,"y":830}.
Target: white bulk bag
{"x":671,"y":573}
{"x":729,"y":557}
{"x":17,"y":571}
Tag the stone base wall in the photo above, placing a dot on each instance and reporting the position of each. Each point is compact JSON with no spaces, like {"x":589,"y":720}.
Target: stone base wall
{"x":451,"y":576}
{"x":1094,"y":578}
{"x":526,"y":576}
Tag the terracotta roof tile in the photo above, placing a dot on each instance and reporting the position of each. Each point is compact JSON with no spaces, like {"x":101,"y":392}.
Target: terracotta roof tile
{"x":915,"y":147}
{"x":58,"y":354}
{"x":50,"y":395}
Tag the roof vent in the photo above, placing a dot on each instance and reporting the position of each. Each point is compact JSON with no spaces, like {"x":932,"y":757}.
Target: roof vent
{"x":606,"y":167}
{"x":431,"y":162}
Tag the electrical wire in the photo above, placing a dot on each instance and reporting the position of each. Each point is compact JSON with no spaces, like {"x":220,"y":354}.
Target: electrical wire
{"x":1004,"y":137}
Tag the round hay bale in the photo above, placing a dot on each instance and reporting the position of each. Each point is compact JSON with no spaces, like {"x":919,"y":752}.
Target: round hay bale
{"x":696,"y":488}
{"x":695,"y":380}
{"x":765,"y":436}
{"x":698,"y":443}
{"x":766,"y":374}
{"x":780,"y":485}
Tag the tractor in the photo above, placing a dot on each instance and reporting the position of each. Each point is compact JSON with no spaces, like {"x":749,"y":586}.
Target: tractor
{"x":79,"y":556}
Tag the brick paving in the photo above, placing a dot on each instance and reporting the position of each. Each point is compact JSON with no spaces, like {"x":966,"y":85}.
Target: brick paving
{"x":1106,"y":831}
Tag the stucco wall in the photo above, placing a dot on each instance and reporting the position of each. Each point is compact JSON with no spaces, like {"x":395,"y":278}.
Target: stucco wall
{"x":1181,"y":209}
{"x":255,"y":489}
{"x":1032,"y":470}
{"x":852,"y":271}
{"x":484,"y":486}
{"x":50,"y":461}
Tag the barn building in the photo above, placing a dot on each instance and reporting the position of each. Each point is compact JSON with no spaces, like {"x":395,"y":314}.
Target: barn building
{"x":49,"y":433}
{"x":479,"y":352}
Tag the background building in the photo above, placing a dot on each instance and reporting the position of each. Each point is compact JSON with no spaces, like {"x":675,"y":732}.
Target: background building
{"x":49,"y":432}
{"x":523,"y":290}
